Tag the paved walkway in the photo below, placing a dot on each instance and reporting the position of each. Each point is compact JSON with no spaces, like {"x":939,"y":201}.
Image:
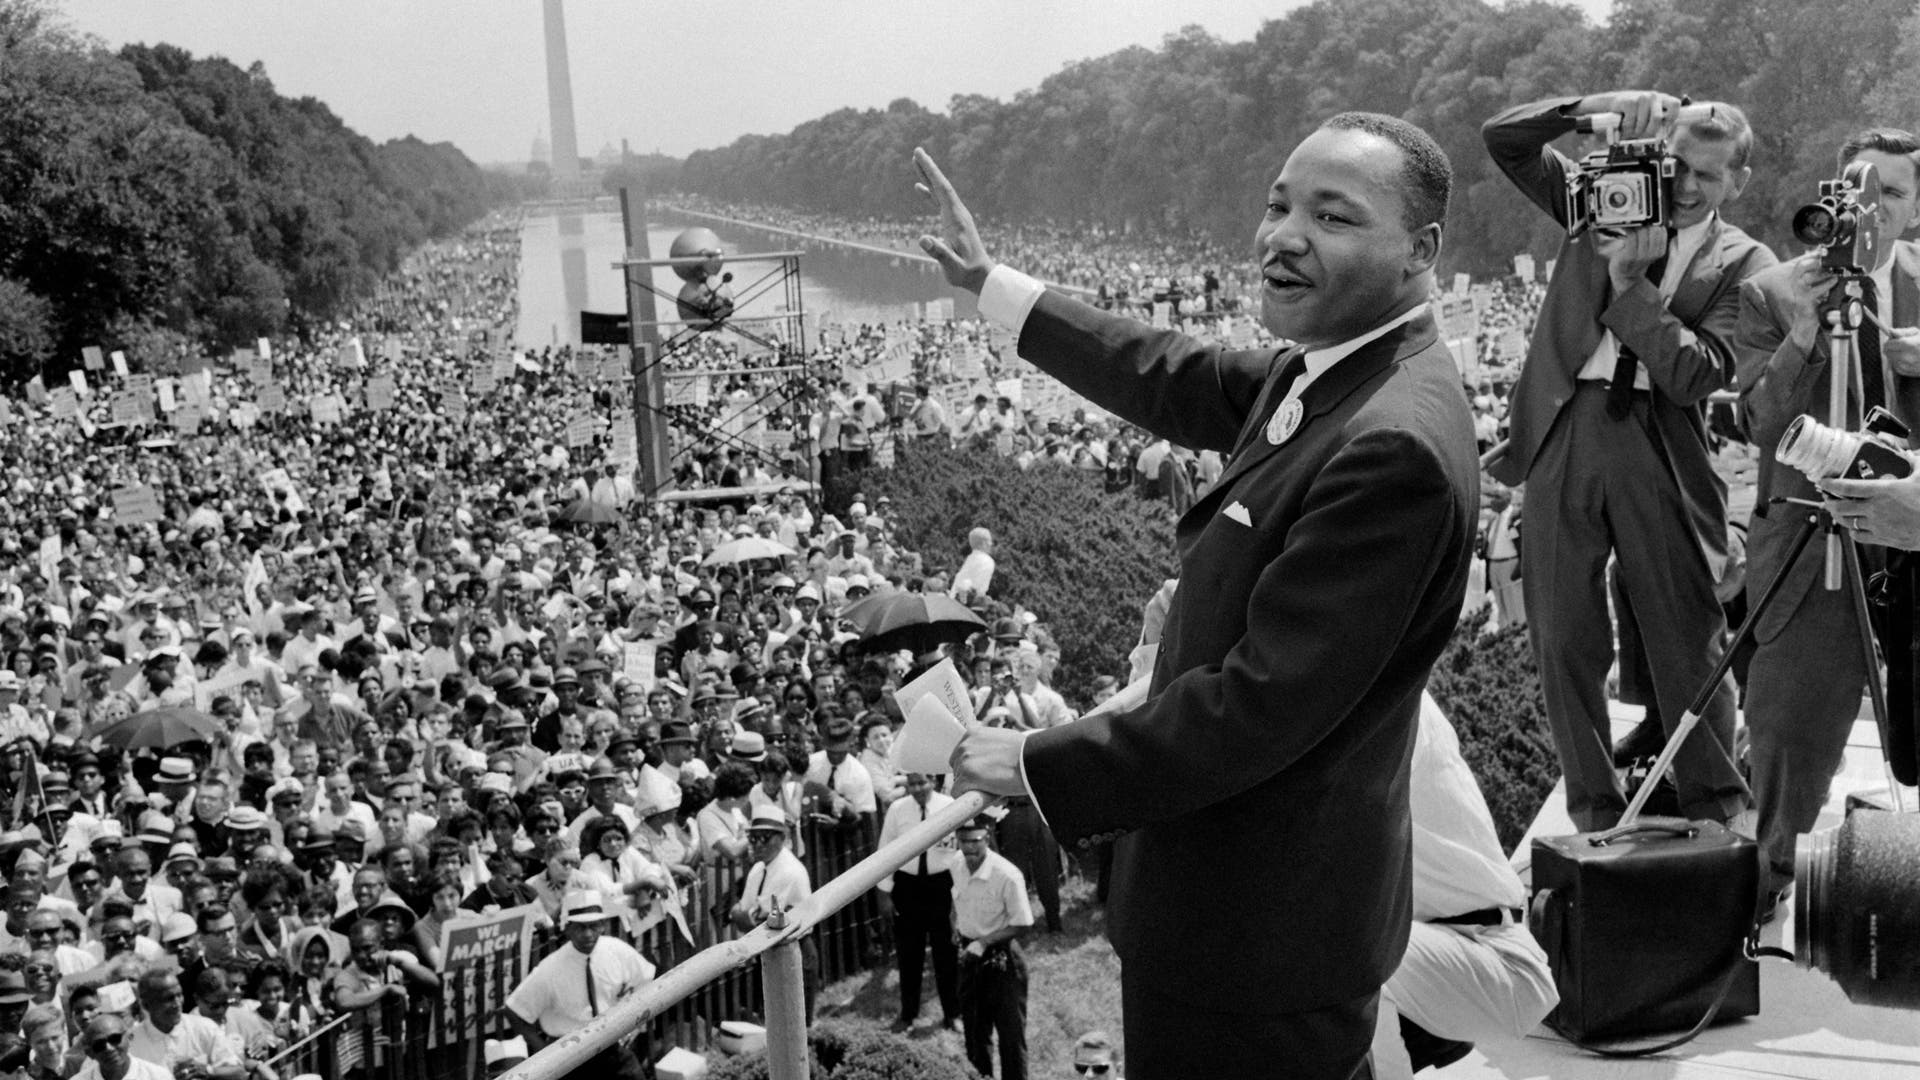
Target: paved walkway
{"x":1806,"y":1027}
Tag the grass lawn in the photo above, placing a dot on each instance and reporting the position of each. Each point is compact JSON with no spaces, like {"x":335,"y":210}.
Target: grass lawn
{"x":1073,"y":987}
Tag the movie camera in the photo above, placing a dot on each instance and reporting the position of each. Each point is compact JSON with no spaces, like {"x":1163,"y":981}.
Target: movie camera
{"x":1629,"y":183}
{"x":1842,"y":221}
{"x":1876,"y":452}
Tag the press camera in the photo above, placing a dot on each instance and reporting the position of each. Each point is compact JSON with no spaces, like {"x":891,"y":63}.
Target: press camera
{"x":1822,"y":453}
{"x":1842,"y":221}
{"x":1628,"y":184}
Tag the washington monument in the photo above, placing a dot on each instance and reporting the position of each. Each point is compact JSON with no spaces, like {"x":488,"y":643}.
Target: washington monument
{"x":566,"y":150}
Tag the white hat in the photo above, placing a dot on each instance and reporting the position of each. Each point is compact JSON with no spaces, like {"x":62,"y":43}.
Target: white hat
{"x":768,"y":817}
{"x":583,"y":906}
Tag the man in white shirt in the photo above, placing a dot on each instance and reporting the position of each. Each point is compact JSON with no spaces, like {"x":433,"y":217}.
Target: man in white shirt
{"x":1472,"y":969}
{"x":105,"y":1041}
{"x":777,"y":881}
{"x":975,"y":576}
{"x":836,"y":769}
{"x":574,"y":985}
{"x":990,"y":914}
{"x":918,"y":898}
{"x":192,"y":1046}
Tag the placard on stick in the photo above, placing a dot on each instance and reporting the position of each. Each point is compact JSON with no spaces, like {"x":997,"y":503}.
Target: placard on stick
{"x":136,"y":504}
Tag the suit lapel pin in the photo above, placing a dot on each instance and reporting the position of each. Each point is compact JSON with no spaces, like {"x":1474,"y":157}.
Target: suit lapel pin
{"x":1286,"y":420}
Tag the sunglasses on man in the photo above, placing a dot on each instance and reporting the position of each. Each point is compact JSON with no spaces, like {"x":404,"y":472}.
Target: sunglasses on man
{"x":1097,"y":1070}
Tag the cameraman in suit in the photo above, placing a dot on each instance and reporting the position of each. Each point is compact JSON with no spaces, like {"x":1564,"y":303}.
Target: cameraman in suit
{"x":1804,"y":685}
{"x":1325,"y":573}
{"x":1634,"y":334}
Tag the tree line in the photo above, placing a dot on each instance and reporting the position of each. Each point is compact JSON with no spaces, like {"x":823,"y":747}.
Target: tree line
{"x":155,"y":201}
{"x":1189,"y":136}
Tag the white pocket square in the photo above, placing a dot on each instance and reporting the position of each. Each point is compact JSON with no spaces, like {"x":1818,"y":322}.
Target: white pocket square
{"x":1239,"y":513}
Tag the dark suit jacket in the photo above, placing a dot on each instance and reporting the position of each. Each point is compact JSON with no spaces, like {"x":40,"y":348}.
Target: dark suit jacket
{"x":1259,"y":797}
{"x":1685,"y":345}
{"x":1779,"y":381}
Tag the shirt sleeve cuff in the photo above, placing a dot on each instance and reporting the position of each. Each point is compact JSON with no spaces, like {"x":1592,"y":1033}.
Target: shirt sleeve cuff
{"x":1028,"y":786}
{"x":1008,"y":296}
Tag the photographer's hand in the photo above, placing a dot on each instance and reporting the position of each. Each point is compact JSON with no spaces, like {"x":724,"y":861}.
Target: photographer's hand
{"x":958,"y":250}
{"x":1901,"y":347}
{"x":1883,"y":512}
{"x":1644,"y":114}
{"x":1629,"y":253}
{"x":1806,"y":288}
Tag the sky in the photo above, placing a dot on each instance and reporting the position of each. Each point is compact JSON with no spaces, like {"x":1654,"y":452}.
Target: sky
{"x":670,"y":77}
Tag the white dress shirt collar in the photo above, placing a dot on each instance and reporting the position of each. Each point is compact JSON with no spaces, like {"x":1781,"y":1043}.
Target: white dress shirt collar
{"x":1319,"y":360}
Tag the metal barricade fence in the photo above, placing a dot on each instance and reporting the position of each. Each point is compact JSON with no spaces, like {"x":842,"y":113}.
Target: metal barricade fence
{"x":439,"y":1035}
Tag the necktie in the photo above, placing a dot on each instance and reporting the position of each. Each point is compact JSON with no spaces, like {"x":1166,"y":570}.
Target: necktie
{"x":923,"y":854}
{"x":1873,"y":390}
{"x":1290,"y":371}
{"x":1620,"y":392}
{"x":593,"y":998}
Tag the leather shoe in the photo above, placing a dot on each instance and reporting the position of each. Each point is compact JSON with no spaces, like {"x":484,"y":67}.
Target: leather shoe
{"x":900,"y":1024}
{"x":1644,"y":742}
{"x":1425,"y":1050}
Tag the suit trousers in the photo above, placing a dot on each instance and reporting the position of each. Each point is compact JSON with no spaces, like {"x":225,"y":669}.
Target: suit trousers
{"x":1601,"y":487}
{"x":922,"y":917}
{"x":993,"y":1002}
{"x":1027,"y":843}
{"x":1803,"y":693}
{"x":1168,"y":1038}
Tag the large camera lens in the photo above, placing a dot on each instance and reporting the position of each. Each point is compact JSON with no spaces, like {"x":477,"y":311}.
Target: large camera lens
{"x":1618,"y":199}
{"x":1815,"y":224}
{"x":1856,"y":907}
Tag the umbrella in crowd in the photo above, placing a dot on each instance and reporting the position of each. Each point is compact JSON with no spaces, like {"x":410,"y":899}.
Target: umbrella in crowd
{"x":160,"y":729}
{"x":911,"y":620}
{"x":746,"y":549}
{"x":588,"y":512}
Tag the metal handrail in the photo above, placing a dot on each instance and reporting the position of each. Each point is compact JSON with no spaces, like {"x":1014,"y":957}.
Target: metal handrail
{"x":576,"y":1048}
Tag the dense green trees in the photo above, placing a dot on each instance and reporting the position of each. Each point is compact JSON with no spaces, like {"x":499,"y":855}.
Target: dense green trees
{"x":152,"y":191}
{"x":1191,"y":134}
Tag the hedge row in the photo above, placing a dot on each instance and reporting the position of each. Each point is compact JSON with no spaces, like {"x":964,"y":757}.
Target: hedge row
{"x":1083,"y":560}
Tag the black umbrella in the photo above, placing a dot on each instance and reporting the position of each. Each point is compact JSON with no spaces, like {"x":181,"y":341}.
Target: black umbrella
{"x":909,"y":620}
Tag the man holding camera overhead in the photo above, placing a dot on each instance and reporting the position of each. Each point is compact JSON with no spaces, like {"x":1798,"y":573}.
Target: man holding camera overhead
{"x":1634,"y":334}
{"x":1803,"y":691}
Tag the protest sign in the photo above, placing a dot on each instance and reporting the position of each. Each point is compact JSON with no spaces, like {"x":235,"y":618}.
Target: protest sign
{"x":6,"y":412}
{"x":938,"y":707}
{"x":380,"y":392}
{"x":1512,"y":345}
{"x":1009,"y":389}
{"x":119,"y":363}
{"x":581,"y":431}
{"x":1461,"y":283}
{"x":136,"y":504}
{"x":454,"y":407}
{"x":485,"y":956}
{"x":66,"y":406}
{"x":264,"y":348}
{"x":91,"y":356}
{"x":327,"y":409}
{"x":273,"y":398}
{"x":483,"y":380}
{"x":167,"y":402}
{"x":1457,"y":317}
{"x":186,"y":420}
{"x":78,"y":381}
{"x":637,"y":659}
{"x":1523,"y":267}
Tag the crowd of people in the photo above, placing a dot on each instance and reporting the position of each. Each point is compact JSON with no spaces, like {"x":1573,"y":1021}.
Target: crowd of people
{"x":412,"y":688}
{"x":427,"y":688}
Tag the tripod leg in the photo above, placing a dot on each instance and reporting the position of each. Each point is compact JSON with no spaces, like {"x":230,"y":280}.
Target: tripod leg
{"x":1691,"y":718}
{"x":1857,"y":585}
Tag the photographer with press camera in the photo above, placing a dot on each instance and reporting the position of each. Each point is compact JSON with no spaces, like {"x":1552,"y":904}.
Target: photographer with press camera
{"x":1633,"y":336}
{"x":1805,"y":681}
